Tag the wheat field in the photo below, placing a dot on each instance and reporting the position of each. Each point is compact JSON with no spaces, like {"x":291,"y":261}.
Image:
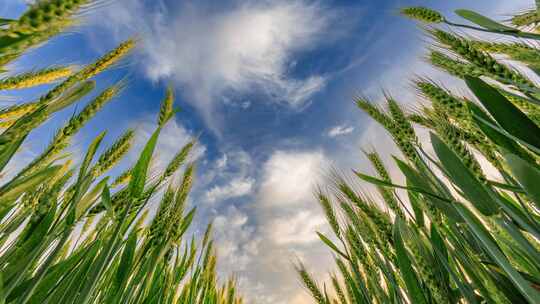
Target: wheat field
{"x":69,"y":233}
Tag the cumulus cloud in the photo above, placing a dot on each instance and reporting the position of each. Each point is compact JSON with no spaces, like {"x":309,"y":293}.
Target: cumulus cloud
{"x":340,"y":130}
{"x":289,"y":177}
{"x":297,"y":229}
{"x":236,"y":188}
{"x":235,"y":239}
{"x":287,"y":210}
{"x":288,"y":216}
{"x":263,"y":239}
{"x":228,"y":49}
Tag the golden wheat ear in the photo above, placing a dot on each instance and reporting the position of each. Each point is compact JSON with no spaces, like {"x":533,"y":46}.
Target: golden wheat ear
{"x":32,"y":79}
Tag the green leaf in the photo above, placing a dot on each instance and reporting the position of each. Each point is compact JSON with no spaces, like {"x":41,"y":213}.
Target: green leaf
{"x":8,"y":151}
{"x":332,"y":246}
{"x":186,"y":221}
{"x":138,"y":177}
{"x":438,"y":242}
{"x":504,"y":284}
{"x":483,"y":21}
{"x":54,"y":275}
{"x":68,"y":291}
{"x":508,"y":116}
{"x":518,"y":237}
{"x":471,"y":267}
{"x":2,"y":295}
{"x":498,"y":129}
{"x":527,"y":175}
{"x":416,"y":205}
{"x":404,"y":265}
{"x":516,"y":213}
{"x":441,"y":255}
{"x":90,"y":153}
{"x":26,"y":184}
{"x":22,"y":126}
{"x":507,"y":187}
{"x":480,"y":117}
{"x":418,"y":181}
{"x":28,"y":252}
{"x":472,"y":189}
{"x":5,"y":21}
{"x":493,"y":250}
{"x":87,"y":200}
{"x":383,"y":183}
{"x":126,"y":261}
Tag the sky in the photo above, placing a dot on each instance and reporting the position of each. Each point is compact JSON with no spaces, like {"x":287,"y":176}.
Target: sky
{"x":267,"y":86}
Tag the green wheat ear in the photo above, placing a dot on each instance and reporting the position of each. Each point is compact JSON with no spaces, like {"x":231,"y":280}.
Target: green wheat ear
{"x":423,"y":261}
{"x":310,"y":284}
{"x":374,"y":112}
{"x":108,"y":59}
{"x":89,"y":71}
{"x":166,"y":110}
{"x":442,"y":98}
{"x":329,"y":211}
{"x":46,"y":14}
{"x":158,"y":229}
{"x":451,"y":136}
{"x":526,"y":18}
{"x":178,"y":160}
{"x":387,"y":194}
{"x":114,"y":154}
{"x":402,"y":126}
{"x":423,"y":14}
{"x":482,"y":60}
{"x":453,"y":67}
{"x":397,"y":125}
{"x":63,"y":136}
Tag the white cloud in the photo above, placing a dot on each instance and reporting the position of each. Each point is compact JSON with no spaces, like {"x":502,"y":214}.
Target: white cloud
{"x":264,"y":238}
{"x":229,"y":177}
{"x":340,"y":130}
{"x":235,"y":239}
{"x":222,"y":162}
{"x":297,"y":229}
{"x":289,"y":177}
{"x":212,"y":52}
{"x":236,"y":188}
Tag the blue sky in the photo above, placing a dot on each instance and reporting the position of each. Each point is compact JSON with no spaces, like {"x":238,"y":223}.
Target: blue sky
{"x":268,"y":87}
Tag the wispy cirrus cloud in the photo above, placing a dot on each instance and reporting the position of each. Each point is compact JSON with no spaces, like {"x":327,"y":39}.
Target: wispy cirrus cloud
{"x":211,"y":53}
{"x":340,"y":130}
